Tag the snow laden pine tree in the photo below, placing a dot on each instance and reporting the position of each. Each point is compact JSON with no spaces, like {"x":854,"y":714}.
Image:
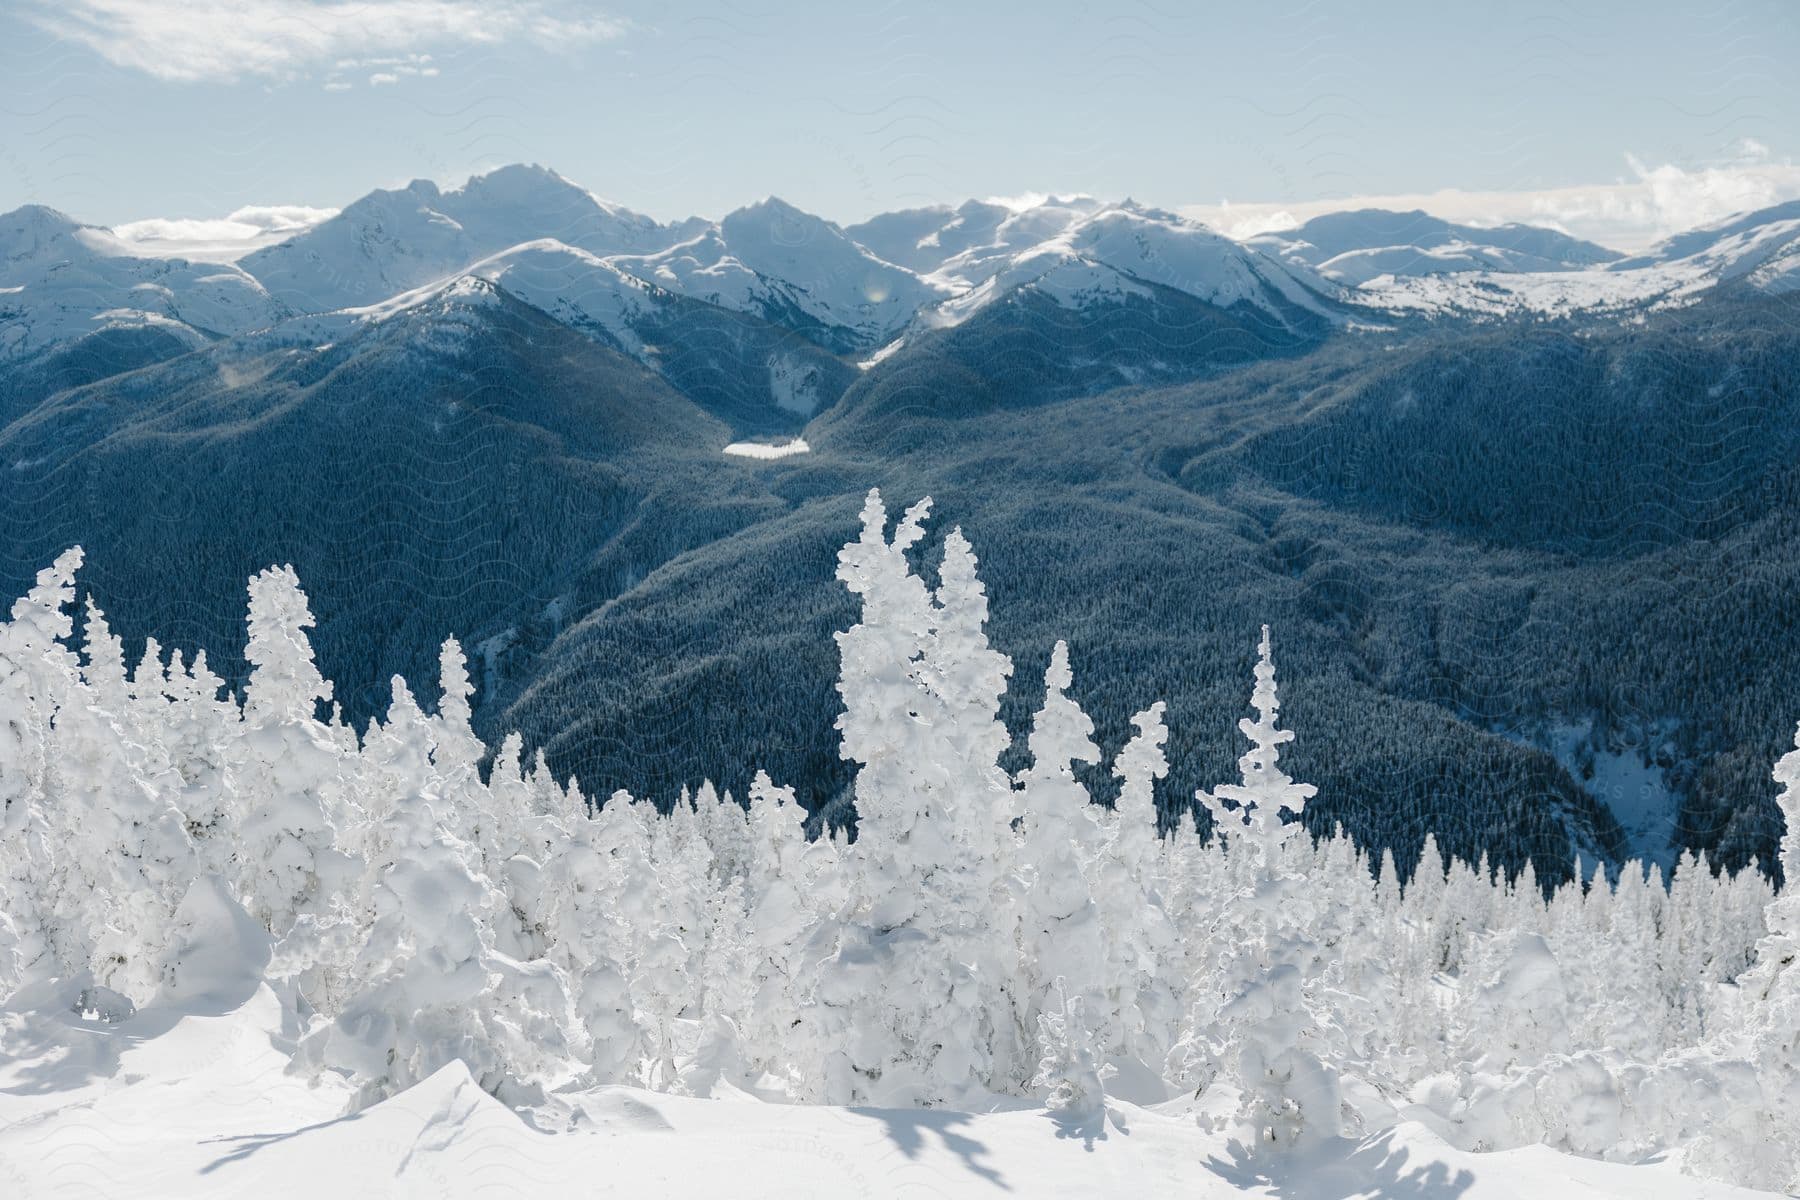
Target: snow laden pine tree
{"x":908,"y":1002}
{"x":1143,"y":949}
{"x":1071,"y":1069}
{"x":1767,"y":1131}
{"x":130,"y":859}
{"x":1263,"y":1028}
{"x":38,"y":674}
{"x":1061,"y":938}
{"x":286,"y":769}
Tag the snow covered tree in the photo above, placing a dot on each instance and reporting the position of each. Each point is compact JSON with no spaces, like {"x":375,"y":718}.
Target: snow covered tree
{"x":589,"y":935}
{"x":128,"y":858}
{"x":430,"y":985}
{"x":1763,"y":1139}
{"x":199,"y":728}
{"x":780,"y":908}
{"x":1143,"y":956}
{"x":1787,"y":774}
{"x":37,"y":672}
{"x":1251,"y":810}
{"x":495,"y":830}
{"x":1287,"y":1095}
{"x":1061,"y":936}
{"x":286,"y":769}
{"x":1071,"y":1068}
{"x":908,"y":1000}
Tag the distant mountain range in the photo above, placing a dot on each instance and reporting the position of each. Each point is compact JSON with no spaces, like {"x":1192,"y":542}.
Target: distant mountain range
{"x":849,"y":291}
{"x":1511,"y":501}
{"x":1356,"y":247}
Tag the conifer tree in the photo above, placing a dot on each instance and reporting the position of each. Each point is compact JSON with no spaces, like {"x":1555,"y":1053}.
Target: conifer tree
{"x":287,"y":771}
{"x":1061,"y":935}
{"x":1287,"y":1094}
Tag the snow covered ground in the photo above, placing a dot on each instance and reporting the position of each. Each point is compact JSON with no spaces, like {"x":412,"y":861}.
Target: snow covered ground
{"x":195,"y":1101}
{"x":768,"y":450}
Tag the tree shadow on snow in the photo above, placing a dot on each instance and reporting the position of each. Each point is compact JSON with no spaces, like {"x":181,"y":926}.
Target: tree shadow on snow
{"x":906,"y":1129}
{"x":1089,"y":1125}
{"x":1374,"y":1168}
{"x":59,"y":1047}
{"x":250,"y":1143}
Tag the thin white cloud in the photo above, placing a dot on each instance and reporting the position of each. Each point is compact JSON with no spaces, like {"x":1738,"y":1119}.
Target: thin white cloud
{"x":391,"y":69}
{"x":1629,"y":214}
{"x":189,"y":41}
{"x":221,"y":239}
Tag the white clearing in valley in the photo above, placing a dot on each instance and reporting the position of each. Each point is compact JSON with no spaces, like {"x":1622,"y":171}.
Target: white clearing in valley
{"x":768,"y":450}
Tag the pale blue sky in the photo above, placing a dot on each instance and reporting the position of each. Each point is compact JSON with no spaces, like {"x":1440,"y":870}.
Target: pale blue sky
{"x":123,"y":109}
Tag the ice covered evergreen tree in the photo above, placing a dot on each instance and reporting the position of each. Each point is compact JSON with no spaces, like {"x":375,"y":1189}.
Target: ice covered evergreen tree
{"x":127,"y":857}
{"x":431,"y":986}
{"x":287,"y":771}
{"x":1062,"y":941}
{"x":37,"y":674}
{"x":909,"y":998}
{"x":589,"y":936}
{"x":1071,"y":1070}
{"x":1141,"y":943}
{"x":1264,"y":1023}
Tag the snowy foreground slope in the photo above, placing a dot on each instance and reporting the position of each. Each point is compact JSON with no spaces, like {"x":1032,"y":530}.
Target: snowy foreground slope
{"x":245,"y":950}
{"x":197,"y":1102}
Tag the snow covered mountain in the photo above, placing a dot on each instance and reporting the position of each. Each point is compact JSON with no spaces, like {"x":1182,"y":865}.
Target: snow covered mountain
{"x":793,"y":269}
{"x":1760,"y":248}
{"x":1116,"y":254}
{"x":575,"y":287}
{"x":61,"y":280}
{"x":966,"y":245}
{"x":1356,"y":247}
{"x":393,"y":241}
{"x":1754,"y":253}
{"x":757,"y":375}
{"x":849,"y":290}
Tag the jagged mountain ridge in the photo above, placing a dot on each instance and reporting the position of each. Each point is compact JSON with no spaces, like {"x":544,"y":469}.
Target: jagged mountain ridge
{"x":851,"y":290}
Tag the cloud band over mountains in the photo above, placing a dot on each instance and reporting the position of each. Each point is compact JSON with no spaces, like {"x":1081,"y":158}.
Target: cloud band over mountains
{"x":206,"y":41}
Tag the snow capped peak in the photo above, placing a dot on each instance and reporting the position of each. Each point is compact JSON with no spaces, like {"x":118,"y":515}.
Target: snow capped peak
{"x":1115,"y":251}
{"x":35,"y":219}
{"x":1708,"y":237}
{"x":36,"y":231}
{"x":392,"y":241}
{"x":964,"y":247}
{"x":575,"y":287}
{"x":61,"y":280}
{"x":772,"y":226}
{"x":522,"y":184}
{"x":1759,"y":250}
{"x":772,"y":207}
{"x":793,"y":268}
